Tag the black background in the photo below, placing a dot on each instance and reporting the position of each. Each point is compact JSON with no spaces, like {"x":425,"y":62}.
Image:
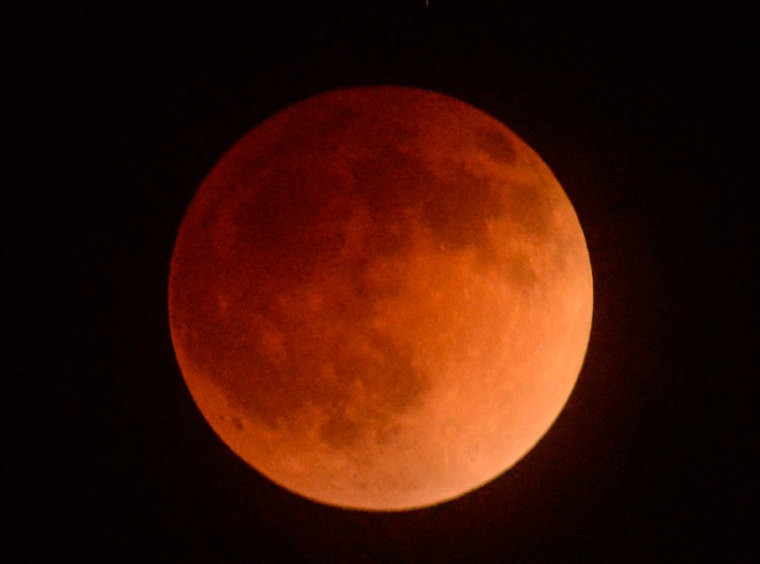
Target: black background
{"x":645,"y":115}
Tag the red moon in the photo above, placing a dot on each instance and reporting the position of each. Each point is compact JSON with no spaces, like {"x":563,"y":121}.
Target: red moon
{"x":380,"y":298}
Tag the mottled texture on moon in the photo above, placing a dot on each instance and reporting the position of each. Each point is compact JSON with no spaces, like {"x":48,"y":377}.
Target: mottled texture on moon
{"x":380,"y":298}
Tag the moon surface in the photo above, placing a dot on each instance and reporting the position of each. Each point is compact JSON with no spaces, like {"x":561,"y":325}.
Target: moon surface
{"x":380,"y":298}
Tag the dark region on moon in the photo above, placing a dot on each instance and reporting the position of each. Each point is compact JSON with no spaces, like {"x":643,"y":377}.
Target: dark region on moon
{"x":496,"y":145}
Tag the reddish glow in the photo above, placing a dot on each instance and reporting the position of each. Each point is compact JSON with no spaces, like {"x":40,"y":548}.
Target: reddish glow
{"x":380,"y":298}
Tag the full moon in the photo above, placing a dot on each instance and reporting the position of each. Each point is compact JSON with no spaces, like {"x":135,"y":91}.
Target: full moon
{"x":380,"y":298}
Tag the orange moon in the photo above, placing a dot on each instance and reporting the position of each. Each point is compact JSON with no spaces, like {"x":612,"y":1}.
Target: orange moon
{"x":380,"y":298}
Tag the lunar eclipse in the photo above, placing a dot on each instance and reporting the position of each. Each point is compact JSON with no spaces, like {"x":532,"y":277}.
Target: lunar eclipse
{"x":380,"y":298}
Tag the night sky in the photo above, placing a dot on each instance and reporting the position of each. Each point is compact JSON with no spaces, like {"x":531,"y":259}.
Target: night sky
{"x":647,"y":118}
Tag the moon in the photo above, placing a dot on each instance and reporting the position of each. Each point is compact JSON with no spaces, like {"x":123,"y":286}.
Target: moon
{"x":380,"y":298}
